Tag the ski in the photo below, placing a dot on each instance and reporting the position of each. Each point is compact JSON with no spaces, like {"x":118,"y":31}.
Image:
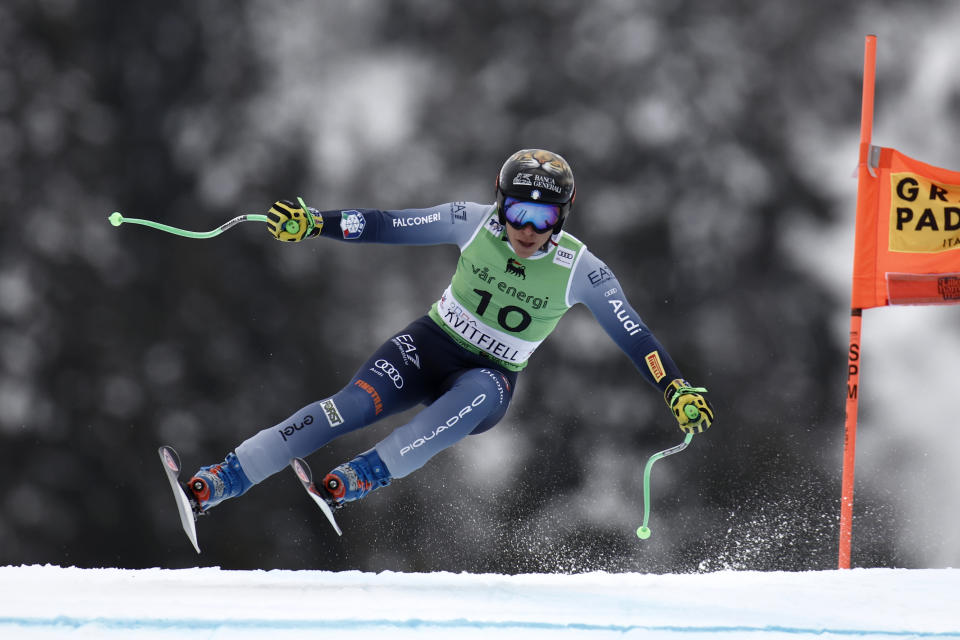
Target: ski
{"x":305,"y":476}
{"x":171,"y":464}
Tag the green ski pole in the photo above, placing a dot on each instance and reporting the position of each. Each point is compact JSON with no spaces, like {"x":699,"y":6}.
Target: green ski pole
{"x":643,"y":532}
{"x":291,"y":226}
{"x":692,"y":413}
{"x":116,"y":219}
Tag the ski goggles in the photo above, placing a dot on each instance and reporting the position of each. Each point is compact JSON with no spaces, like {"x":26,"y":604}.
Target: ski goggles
{"x":542,"y":215}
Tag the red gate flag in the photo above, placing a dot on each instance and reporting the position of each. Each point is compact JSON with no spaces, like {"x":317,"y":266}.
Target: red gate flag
{"x":907,"y":251}
{"x":907,"y":247}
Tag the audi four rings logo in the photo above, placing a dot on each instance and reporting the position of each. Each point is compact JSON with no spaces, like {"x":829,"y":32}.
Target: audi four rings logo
{"x":390,"y":371}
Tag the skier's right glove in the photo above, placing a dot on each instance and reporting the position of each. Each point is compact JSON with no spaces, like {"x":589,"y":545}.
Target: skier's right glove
{"x":291,"y":222}
{"x":689,"y":407}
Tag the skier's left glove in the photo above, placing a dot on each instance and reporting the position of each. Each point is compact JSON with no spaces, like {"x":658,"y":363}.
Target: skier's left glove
{"x":688,"y":405}
{"x":293,"y":222}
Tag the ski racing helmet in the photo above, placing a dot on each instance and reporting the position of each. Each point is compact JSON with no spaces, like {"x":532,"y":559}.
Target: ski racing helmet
{"x":535,"y":186}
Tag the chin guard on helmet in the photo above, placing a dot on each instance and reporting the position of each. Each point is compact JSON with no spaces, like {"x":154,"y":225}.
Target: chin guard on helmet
{"x":536,"y":175}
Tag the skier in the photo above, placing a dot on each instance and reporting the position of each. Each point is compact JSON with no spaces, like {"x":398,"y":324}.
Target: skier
{"x":518,"y":273}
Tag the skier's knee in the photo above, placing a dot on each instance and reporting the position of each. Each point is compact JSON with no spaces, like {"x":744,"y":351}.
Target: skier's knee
{"x":491,"y":383}
{"x":496,"y":391}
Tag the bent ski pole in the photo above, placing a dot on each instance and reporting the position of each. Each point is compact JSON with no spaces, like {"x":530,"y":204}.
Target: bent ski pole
{"x":643,"y":532}
{"x":116,"y":219}
{"x":291,"y":226}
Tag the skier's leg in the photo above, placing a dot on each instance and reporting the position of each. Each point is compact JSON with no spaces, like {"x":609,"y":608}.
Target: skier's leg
{"x":310,"y":428}
{"x":377,"y":390}
{"x":477,"y":399}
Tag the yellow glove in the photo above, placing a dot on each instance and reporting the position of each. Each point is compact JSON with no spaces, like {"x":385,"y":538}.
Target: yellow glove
{"x":689,"y":407}
{"x":292,"y":223}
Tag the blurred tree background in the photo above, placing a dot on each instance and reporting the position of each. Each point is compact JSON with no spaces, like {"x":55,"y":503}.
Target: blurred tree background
{"x":712,"y":144}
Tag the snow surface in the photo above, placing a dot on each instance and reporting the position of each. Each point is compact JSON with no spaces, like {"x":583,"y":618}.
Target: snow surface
{"x":53,"y":602}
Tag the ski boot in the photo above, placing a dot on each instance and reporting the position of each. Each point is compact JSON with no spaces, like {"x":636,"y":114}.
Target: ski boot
{"x":355,"y":479}
{"x":212,"y":485}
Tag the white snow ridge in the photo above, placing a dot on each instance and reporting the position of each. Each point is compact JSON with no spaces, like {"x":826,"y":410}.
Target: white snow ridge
{"x":53,"y":602}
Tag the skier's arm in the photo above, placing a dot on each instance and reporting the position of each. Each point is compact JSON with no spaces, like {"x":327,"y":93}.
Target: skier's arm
{"x":596,"y":286}
{"x":449,"y":223}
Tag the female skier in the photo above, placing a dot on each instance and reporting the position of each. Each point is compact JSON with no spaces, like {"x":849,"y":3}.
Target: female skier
{"x":518,"y":273}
